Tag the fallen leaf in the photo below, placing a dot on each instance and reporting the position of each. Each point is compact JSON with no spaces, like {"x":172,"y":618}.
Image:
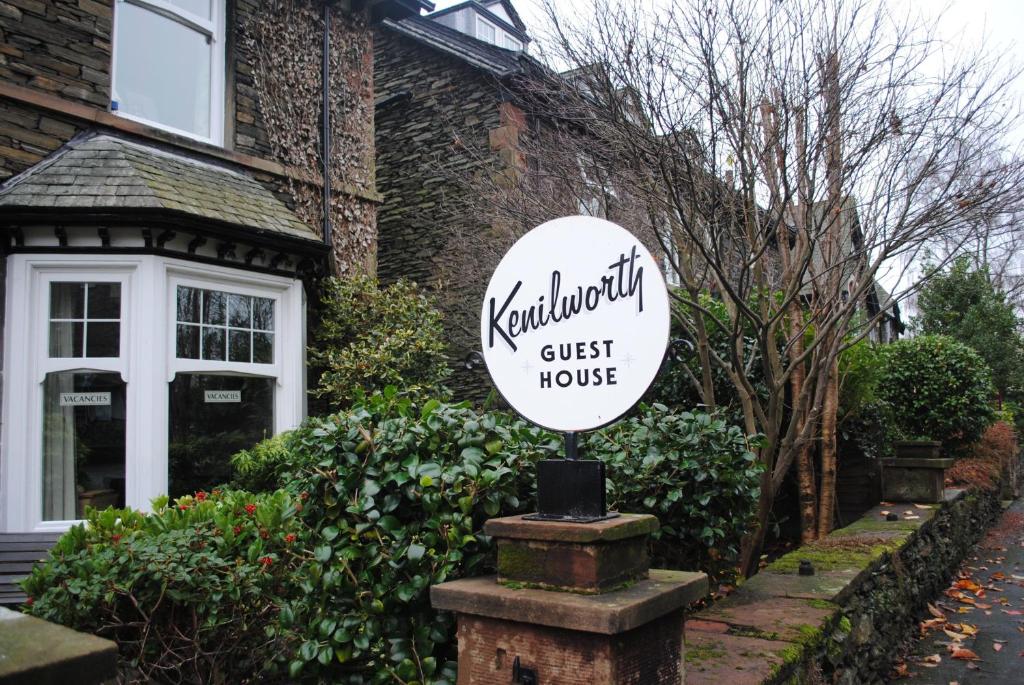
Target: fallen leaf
{"x":982,"y":606}
{"x":965,"y":654}
{"x":967,"y":584}
{"x":998,"y":575}
{"x":965,"y":610}
{"x":1013,"y":612}
{"x":968,"y":629}
{"x":956,"y":636}
{"x":931,"y":661}
{"x":911,"y":518}
{"x":996,"y":646}
{"x":934,"y":611}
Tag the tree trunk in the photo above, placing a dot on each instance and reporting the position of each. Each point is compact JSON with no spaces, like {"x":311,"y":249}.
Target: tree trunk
{"x":829,"y":458}
{"x":753,"y":543}
{"x":806,"y":487}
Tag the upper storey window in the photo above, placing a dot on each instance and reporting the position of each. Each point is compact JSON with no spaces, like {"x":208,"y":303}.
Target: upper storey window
{"x":490,"y":33}
{"x":169,"y":65}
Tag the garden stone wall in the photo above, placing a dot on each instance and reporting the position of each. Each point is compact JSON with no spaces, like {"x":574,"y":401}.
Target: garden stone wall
{"x":846,"y":623}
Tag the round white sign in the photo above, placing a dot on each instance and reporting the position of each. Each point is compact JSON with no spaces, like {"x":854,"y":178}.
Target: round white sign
{"x":575,"y":323}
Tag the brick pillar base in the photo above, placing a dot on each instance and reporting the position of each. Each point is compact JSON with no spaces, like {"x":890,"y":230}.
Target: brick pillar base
{"x":561,"y":615}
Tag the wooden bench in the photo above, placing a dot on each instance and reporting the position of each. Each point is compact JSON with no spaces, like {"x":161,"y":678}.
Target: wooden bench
{"x":19,"y":552}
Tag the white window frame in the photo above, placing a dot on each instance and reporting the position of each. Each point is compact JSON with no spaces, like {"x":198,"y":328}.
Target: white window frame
{"x":147,"y":363}
{"x":480,"y":21}
{"x":510,"y":43}
{"x":213,"y":28}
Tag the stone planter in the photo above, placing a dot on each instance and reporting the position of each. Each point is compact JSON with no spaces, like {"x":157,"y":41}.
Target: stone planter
{"x":918,"y":449}
{"x":906,"y":479}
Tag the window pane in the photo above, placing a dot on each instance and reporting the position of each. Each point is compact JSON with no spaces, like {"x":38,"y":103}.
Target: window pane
{"x":215,"y":307}
{"x":188,"y":342}
{"x":162,"y":70}
{"x":188,"y":304}
{"x":263,"y":348}
{"x":239,"y":346}
{"x":67,"y":300}
{"x":262,"y":314}
{"x":239,"y":313}
{"x":197,"y":7}
{"x":211,"y":418}
{"x":102,"y":339}
{"x":213,"y":343}
{"x":83,"y":443}
{"x":104,"y":301}
{"x":66,"y":339}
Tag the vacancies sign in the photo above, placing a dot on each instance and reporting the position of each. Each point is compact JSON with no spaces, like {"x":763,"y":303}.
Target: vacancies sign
{"x":575,"y":323}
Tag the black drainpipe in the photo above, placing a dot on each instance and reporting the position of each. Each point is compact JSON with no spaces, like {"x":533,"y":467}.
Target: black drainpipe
{"x":325,"y":136}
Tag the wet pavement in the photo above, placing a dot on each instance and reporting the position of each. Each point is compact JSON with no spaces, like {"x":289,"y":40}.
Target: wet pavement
{"x":974,"y":632}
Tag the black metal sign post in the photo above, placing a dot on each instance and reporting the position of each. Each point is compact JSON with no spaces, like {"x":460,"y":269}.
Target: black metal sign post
{"x":571,"y":490}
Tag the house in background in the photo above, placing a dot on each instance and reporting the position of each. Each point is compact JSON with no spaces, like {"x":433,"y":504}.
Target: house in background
{"x":456,"y":103}
{"x":161,"y":214}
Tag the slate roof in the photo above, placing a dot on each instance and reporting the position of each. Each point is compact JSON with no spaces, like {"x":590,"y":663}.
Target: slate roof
{"x":498,"y":61}
{"x":109,"y":172}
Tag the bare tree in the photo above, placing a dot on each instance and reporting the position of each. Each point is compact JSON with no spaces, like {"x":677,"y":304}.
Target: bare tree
{"x":778,"y":154}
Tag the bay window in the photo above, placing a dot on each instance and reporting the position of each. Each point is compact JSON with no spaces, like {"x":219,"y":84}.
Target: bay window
{"x":168,"y":66}
{"x":138,"y":376}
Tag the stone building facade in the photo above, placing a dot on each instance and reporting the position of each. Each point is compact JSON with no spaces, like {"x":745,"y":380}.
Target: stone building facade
{"x":450,"y":122}
{"x":464,"y":161}
{"x":161,"y":217}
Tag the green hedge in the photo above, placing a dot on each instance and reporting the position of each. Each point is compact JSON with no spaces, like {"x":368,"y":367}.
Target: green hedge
{"x":327,"y":579}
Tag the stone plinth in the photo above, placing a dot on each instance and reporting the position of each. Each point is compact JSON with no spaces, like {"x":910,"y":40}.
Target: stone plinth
{"x":578,"y":557}
{"x":36,"y":652}
{"x":914,"y":479}
{"x":634,"y":635}
{"x":576,"y":603}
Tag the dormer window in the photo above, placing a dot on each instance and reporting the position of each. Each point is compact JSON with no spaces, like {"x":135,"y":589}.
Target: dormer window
{"x":169,"y":65}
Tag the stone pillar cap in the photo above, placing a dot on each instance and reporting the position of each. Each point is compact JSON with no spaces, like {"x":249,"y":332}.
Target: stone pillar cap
{"x":608,"y":614}
{"x":620,"y":528}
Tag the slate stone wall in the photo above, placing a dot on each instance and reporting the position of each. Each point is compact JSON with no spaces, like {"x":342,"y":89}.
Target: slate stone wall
{"x":62,"y":49}
{"x":425,"y":141}
{"x":889,"y":602}
{"x":433,"y":133}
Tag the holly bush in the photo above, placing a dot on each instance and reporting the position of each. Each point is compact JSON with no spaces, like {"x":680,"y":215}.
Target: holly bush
{"x":370,"y":337}
{"x":190,"y":593}
{"x":397,"y":496}
{"x":937,"y":389}
{"x":693,"y":471}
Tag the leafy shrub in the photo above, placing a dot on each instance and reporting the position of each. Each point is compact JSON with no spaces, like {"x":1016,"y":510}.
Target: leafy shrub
{"x":397,"y":497}
{"x":189,"y":593}
{"x":695,"y":472}
{"x":864,"y":422}
{"x":259,"y":468}
{"x":371,"y":337}
{"x":937,"y":388}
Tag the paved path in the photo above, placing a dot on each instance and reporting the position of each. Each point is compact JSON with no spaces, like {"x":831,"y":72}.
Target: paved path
{"x":982,"y":615}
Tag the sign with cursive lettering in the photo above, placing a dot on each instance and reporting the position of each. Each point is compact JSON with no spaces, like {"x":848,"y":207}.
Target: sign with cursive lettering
{"x":575,"y":323}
